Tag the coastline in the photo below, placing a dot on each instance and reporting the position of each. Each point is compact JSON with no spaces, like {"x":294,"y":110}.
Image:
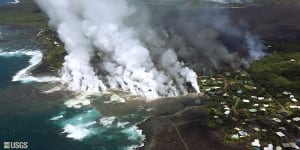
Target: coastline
{"x":154,"y":128}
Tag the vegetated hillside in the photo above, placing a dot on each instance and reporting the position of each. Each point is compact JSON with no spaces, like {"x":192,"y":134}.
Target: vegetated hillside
{"x":270,"y":2}
{"x":25,"y":13}
{"x":279,"y":71}
{"x":279,"y":27}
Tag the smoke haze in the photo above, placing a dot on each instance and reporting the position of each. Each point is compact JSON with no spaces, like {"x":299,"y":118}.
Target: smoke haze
{"x":119,"y":45}
{"x":206,"y":39}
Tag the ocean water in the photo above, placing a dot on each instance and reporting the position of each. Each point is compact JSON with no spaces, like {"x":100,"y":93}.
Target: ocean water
{"x":29,"y":114}
{"x":9,"y":66}
{"x":5,"y":1}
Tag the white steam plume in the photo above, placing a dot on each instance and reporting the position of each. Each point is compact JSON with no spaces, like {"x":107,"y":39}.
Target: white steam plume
{"x":105,"y":50}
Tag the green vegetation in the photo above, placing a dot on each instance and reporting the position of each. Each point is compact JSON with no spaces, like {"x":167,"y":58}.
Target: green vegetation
{"x":15,"y":18}
{"x":270,"y":2}
{"x":280,"y":71}
{"x":261,"y":100}
{"x":27,"y":13}
{"x":231,"y":97}
{"x":54,"y":57}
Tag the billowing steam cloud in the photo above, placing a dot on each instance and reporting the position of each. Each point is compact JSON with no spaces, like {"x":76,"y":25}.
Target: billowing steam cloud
{"x":206,"y":39}
{"x":230,"y":1}
{"x":105,"y":50}
{"x":116,"y":44}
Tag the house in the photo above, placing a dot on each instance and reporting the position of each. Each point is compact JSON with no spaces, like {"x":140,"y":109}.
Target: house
{"x":223,"y":103}
{"x":263,"y":109}
{"x":296,"y":119}
{"x":294,"y":145}
{"x":226,"y":107}
{"x":256,"y":129}
{"x":246,"y":100}
{"x":294,"y":107}
{"x":261,"y":98}
{"x":235,"y":136}
{"x":286,"y":93}
{"x":264,"y":130}
{"x":253,"y":110}
{"x":216,"y":87}
{"x":280,"y":134}
{"x":294,"y":100}
{"x":286,"y":145}
{"x":282,"y":128}
{"x":255,"y":143}
{"x":225,"y":95}
{"x":243,"y":134}
{"x":227,"y":74}
{"x":227,"y":112}
{"x":254,"y":97}
{"x":278,"y":148}
{"x":237,"y":129}
{"x":203,"y":81}
{"x":276,"y":120}
{"x":270,"y":147}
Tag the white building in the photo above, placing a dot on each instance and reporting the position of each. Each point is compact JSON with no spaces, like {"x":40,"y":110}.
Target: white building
{"x":280,"y":134}
{"x":270,"y":147}
{"x":256,"y":143}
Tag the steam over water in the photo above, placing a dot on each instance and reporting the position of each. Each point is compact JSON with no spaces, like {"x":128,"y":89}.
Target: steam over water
{"x":112,"y":45}
{"x":105,"y":50}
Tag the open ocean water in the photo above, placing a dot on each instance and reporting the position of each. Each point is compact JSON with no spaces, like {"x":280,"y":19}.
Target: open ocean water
{"x":5,"y":1}
{"x":27,"y":114}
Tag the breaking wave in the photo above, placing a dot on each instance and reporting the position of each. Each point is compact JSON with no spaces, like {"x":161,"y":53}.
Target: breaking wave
{"x":25,"y":75}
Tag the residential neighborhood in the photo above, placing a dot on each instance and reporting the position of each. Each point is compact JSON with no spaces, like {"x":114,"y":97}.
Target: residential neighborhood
{"x":247,"y":112}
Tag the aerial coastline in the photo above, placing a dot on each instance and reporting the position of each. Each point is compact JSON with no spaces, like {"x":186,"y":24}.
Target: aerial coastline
{"x":229,"y":99}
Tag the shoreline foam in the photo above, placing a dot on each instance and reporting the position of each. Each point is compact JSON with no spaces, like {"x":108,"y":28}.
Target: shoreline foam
{"x":24,"y":75}
{"x":14,"y":2}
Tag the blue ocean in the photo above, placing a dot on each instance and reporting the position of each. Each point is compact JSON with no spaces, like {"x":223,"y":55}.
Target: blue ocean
{"x":5,"y":1}
{"x":30,"y":113}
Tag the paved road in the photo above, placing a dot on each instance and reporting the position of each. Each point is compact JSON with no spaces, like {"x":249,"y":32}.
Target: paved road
{"x":180,"y":136}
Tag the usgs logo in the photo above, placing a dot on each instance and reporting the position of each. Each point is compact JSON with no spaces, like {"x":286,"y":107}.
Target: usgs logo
{"x":15,"y":145}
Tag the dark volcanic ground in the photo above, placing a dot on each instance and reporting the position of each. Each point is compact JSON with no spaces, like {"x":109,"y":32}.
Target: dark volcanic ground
{"x":185,"y":130}
{"x":270,"y":23}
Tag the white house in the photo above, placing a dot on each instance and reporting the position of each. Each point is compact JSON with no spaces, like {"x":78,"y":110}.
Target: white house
{"x":255,"y":143}
{"x":270,"y":147}
{"x":280,"y":134}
